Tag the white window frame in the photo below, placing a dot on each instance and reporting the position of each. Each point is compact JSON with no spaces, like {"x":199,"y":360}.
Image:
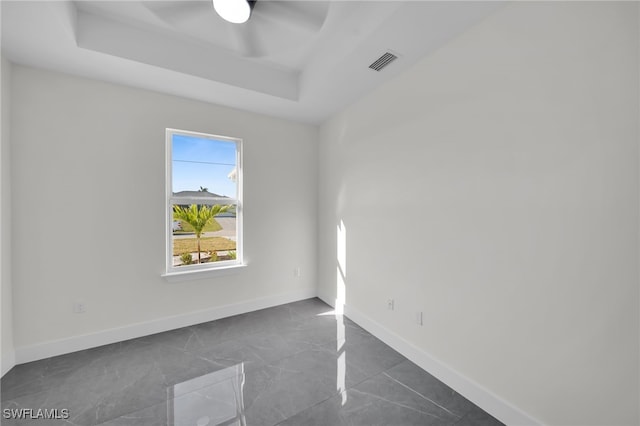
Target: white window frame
{"x":205,"y":269}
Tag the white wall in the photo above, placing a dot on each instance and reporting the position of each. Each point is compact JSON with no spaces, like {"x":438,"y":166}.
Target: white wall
{"x":494,"y":186}
{"x":7,"y":353}
{"x":88,"y":212}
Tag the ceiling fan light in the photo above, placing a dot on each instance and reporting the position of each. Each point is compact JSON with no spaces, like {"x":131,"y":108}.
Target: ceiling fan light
{"x":234,"y":11}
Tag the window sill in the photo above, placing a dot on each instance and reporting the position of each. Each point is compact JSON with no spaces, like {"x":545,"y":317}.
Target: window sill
{"x":198,"y":274}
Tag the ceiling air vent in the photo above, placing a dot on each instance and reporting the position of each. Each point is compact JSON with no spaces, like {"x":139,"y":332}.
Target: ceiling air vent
{"x":383,"y":61}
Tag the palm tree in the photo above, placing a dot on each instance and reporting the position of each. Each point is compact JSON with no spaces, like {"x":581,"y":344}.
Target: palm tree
{"x":203,"y":189}
{"x":198,"y":217}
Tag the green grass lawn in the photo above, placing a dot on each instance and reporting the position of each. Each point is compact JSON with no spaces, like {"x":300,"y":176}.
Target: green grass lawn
{"x":212,"y":226}
{"x":190,"y":245}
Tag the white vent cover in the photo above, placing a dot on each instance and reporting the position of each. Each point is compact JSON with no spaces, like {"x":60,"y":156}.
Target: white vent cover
{"x":383,"y":61}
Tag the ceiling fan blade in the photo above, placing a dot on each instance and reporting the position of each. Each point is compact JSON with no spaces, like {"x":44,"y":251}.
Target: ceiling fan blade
{"x":247,"y":40}
{"x":298,"y":16}
{"x":176,"y":12}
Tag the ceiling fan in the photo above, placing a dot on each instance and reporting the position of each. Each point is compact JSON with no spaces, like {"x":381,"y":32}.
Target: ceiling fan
{"x":234,"y":11}
{"x":269,"y":28}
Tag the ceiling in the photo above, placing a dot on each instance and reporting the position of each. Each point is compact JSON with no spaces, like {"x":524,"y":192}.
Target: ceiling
{"x":300,"y":60}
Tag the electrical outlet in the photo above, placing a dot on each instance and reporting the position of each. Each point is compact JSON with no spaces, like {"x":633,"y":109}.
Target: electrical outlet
{"x":390,"y":304}
{"x":297,"y":272}
{"x":419,"y":318}
{"x":79,"y":308}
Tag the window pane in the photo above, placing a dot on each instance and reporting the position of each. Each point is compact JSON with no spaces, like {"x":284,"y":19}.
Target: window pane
{"x":216,"y":227}
{"x":202,"y":165}
{"x":204,"y":222}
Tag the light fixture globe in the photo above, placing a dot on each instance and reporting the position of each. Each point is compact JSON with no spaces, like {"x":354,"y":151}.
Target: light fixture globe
{"x":234,"y":11}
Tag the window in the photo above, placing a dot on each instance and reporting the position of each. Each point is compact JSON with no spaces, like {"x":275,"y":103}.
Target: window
{"x":204,"y":202}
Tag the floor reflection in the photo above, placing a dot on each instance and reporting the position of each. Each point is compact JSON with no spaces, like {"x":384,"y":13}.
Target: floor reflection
{"x":341,"y":297}
{"x":212,"y":399}
{"x":342,"y":359}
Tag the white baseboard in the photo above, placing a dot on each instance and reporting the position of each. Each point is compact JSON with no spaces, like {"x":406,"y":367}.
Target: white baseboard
{"x":474,"y":392}
{"x":7,"y":362}
{"x":76,"y":343}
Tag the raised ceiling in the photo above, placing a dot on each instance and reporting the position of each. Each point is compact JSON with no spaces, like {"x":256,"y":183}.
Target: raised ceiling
{"x":300,"y":60}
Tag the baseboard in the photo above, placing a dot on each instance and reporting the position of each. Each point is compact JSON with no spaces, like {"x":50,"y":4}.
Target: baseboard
{"x":76,"y":343}
{"x":8,"y":362}
{"x":474,"y":392}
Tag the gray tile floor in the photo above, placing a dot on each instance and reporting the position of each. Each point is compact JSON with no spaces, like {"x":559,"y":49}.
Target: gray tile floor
{"x":295,"y":364}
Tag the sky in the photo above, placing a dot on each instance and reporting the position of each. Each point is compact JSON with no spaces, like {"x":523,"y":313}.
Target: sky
{"x":203,"y":162}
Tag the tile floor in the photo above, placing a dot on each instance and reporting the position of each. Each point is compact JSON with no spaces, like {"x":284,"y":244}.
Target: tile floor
{"x":295,"y":364}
